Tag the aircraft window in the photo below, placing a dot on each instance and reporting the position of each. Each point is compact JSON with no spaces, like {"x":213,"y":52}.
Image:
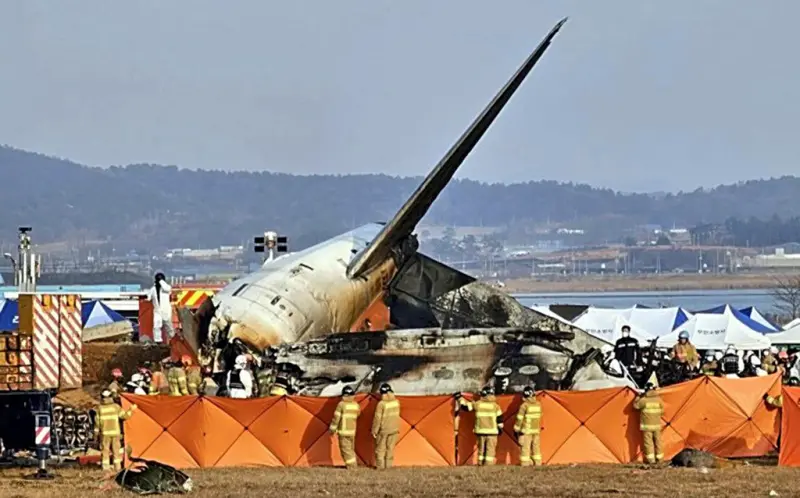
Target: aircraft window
{"x":240,"y":289}
{"x":429,"y":340}
{"x":275,"y":300}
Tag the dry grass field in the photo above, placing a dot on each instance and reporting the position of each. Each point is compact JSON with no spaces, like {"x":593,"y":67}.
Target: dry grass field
{"x":645,"y":283}
{"x":578,"y":481}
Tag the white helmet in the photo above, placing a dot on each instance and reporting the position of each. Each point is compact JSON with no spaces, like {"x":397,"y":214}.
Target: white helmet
{"x":606,"y":349}
{"x":137,"y":377}
{"x":773,"y":350}
{"x":710,"y":356}
{"x":755,"y":361}
{"x":240,"y":362}
{"x":718,"y":355}
{"x":730,"y":350}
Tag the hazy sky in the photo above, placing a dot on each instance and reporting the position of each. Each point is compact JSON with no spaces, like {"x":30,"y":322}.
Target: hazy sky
{"x":634,"y":95}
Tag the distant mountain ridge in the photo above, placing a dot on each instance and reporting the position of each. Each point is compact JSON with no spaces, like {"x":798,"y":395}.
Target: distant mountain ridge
{"x":158,"y":206}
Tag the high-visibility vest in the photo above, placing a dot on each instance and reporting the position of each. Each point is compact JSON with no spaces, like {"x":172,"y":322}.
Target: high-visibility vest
{"x":387,"y":416}
{"x":345,"y":417}
{"x":108,"y":417}
{"x":486,"y":414}
{"x":651,"y":409}
{"x":529,"y":417}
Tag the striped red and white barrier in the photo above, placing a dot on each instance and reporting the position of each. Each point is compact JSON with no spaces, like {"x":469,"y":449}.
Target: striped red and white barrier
{"x":46,"y":352}
{"x":57,"y":338}
{"x":43,"y":436}
{"x":71,"y":335}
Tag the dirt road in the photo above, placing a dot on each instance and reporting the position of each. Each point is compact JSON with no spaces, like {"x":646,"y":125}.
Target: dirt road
{"x":577,"y":481}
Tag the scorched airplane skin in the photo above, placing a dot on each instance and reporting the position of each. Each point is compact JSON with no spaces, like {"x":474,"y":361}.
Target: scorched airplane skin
{"x":302,"y":301}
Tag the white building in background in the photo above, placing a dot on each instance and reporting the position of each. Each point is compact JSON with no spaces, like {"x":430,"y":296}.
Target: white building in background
{"x":777,"y":260}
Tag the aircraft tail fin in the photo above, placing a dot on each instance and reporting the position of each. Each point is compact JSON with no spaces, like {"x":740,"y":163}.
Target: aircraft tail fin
{"x":406,"y":219}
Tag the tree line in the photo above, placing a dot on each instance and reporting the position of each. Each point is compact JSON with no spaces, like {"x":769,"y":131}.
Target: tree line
{"x":153,"y":207}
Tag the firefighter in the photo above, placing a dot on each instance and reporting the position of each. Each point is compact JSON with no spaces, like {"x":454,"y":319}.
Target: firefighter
{"x":710,"y":366}
{"x":193,"y":376}
{"x":386,"y":427}
{"x":343,"y":425}
{"x":769,"y":362}
{"x":527,"y":427}
{"x":107,"y":425}
{"x":158,"y":381}
{"x":280,"y":387}
{"x":264,"y":380}
{"x":208,"y":387}
{"x":776,"y":402}
{"x":488,"y":423}
{"x":176,"y":377}
{"x":147,"y":371}
{"x":685,"y":352}
{"x":116,"y":385}
{"x":651,"y":408}
{"x":729,"y":364}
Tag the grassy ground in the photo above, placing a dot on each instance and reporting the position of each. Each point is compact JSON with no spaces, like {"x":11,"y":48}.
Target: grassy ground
{"x":577,"y":481}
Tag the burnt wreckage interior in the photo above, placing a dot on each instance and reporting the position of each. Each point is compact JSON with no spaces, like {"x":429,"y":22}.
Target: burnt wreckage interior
{"x":435,"y":313}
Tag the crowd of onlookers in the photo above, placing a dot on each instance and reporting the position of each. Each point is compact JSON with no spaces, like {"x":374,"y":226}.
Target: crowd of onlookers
{"x":684,"y":362}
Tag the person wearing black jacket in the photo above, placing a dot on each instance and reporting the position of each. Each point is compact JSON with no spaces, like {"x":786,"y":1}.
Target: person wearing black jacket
{"x":627,"y":350}
{"x":729,"y":365}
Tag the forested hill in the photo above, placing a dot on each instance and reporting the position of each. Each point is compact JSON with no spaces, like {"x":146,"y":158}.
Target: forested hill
{"x":156,"y":206}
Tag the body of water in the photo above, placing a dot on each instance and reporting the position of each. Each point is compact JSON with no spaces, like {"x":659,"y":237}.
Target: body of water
{"x":692,"y":300}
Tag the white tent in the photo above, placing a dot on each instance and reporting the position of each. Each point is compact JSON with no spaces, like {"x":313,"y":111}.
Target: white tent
{"x":645,"y":323}
{"x":787,"y":337}
{"x":606,"y":324}
{"x":545,"y":310}
{"x":759,"y":318}
{"x":717,"y":331}
{"x":657,"y":321}
{"x":794,"y":323}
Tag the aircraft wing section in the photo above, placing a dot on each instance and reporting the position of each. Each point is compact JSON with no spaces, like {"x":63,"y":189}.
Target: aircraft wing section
{"x":407,"y":218}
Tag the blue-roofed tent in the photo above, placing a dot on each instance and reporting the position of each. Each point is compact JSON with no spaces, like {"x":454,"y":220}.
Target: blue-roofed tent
{"x":9,"y":315}
{"x":95,"y":313}
{"x":746,"y":320}
{"x":757,"y":316}
{"x":645,"y":323}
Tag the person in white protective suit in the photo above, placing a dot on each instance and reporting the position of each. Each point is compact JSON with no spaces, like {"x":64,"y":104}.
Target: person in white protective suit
{"x":159,"y":295}
{"x":612,"y":365}
{"x":755,"y":362}
{"x":240,"y":380}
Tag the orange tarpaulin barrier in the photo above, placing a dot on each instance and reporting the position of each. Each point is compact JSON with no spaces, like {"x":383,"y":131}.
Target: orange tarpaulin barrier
{"x":727,"y":417}
{"x":192,"y":431}
{"x":790,"y":429}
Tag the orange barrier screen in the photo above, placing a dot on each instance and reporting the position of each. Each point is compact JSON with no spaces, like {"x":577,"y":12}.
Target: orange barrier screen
{"x":790,"y":429}
{"x":727,"y":417}
{"x":191,"y":431}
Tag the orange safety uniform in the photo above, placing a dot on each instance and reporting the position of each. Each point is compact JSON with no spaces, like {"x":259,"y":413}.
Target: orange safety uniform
{"x":528,"y":426}
{"x":385,"y":430}
{"x":107,"y":425}
{"x":651,"y":408}
{"x":488,"y":424}
{"x":343,"y":425}
{"x":686,"y":353}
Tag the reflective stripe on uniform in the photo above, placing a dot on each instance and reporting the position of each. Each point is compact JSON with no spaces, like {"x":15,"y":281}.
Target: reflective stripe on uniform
{"x":350,"y":461}
{"x":650,"y":427}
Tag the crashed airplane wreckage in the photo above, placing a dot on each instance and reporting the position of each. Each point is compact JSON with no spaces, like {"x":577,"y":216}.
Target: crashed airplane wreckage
{"x":445,"y":331}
